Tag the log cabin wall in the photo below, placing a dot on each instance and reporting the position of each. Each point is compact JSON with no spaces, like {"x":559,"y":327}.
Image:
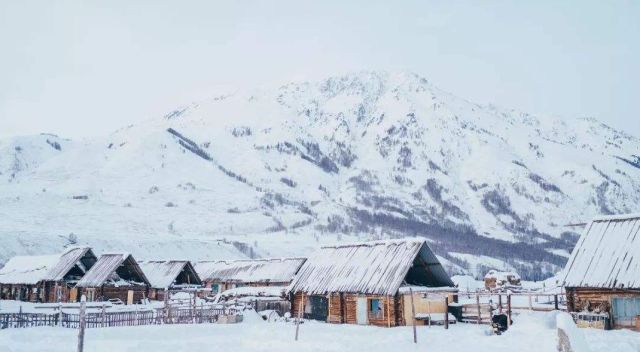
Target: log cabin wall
{"x":580,"y":299}
{"x":590,"y":299}
{"x":342,"y":309}
{"x":50,"y":295}
{"x":105,"y":293}
{"x":20,"y":292}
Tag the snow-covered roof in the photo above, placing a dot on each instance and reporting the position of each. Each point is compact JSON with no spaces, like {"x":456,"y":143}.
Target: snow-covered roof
{"x":27,"y":269}
{"x":32,"y":269}
{"x":255,"y":291}
{"x":377,"y":267}
{"x":109,"y":266}
{"x":501,"y":275}
{"x":248,"y":271}
{"x":607,"y":254}
{"x":67,"y":261}
{"x":162,"y":274}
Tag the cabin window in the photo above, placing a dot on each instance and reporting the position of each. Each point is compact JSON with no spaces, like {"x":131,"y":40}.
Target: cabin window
{"x":376,"y":308}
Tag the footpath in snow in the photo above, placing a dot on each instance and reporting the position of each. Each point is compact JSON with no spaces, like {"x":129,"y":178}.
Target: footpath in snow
{"x":533,"y":332}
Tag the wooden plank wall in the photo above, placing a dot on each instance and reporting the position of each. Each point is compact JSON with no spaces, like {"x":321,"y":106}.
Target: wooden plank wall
{"x":580,"y":299}
{"x":343,"y":310}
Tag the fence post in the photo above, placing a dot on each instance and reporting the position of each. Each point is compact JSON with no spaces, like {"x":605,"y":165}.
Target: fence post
{"x":104,"y":315}
{"x":508,"y":311}
{"x":20,"y":318}
{"x":83,"y":308}
{"x":299,"y":315}
{"x":555,"y":302}
{"x":166,"y":306}
{"x":413,"y":317}
{"x":446,"y":312}
{"x":479,"y":311}
{"x":59,"y":314}
{"x":194,"y":308}
{"x":530,"y":305}
{"x":499,"y":303}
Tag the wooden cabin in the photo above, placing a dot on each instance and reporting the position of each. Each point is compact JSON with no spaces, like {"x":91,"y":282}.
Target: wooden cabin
{"x":45,"y":278}
{"x":166,"y":275}
{"x":498,"y":280}
{"x":114,"y":276}
{"x":602,"y":276}
{"x":223,"y":275}
{"x":373,"y":283}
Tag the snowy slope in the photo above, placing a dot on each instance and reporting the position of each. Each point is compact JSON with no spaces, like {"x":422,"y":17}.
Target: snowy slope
{"x":279,"y":171}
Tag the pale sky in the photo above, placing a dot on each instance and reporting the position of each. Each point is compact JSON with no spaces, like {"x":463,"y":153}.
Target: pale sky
{"x":86,"y":68}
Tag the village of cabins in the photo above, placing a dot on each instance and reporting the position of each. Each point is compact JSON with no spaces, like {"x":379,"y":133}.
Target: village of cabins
{"x":384,"y":283}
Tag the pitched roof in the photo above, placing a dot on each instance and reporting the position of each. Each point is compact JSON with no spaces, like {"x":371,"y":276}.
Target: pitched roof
{"x":107,"y":267}
{"x":258,"y":270}
{"x":607,"y":254}
{"x":67,"y":261}
{"x":377,"y":267}
{"x":163,"y":273}
{"x":32,"y":269}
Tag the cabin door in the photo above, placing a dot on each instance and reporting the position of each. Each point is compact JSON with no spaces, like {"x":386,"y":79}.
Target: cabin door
{"x":316,"y":308}
{"x":73,"y":295}
{"x":130,"y":297}
{"x":361,"y":311}
{"x":625,"y":311}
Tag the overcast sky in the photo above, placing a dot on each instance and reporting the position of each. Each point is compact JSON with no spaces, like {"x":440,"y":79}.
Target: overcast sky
{"x":81,"y":69}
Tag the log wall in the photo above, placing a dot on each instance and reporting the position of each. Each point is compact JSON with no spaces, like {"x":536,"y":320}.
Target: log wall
{"x":590,"y":299}
{"x":342,"y":309}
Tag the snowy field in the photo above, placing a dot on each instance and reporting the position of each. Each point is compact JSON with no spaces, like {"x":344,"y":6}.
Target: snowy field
{"x":532,"y":332}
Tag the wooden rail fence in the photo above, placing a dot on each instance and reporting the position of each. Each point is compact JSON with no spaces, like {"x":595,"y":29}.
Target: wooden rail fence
{"x":170,"y":315}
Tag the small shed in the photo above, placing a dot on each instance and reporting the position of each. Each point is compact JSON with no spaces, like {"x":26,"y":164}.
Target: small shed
{"x":499,"y":280}
{"x":372,"y":283}
{"x":224,"y":275}
{"x":602,"y":275}
{"x":115,"y":276}
{"x":45,"y":278}
{"x":169,"y":275}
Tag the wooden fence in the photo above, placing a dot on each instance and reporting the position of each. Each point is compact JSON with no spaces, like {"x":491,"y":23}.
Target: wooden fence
{"x":481,"y":312}
{"x":169,"y":315}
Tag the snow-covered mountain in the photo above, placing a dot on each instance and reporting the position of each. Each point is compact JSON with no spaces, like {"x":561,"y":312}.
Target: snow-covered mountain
{"x":274,"y":172}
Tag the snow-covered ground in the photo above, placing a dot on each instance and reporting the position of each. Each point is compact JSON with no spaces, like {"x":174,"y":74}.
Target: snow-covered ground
{"x":532,"y":332}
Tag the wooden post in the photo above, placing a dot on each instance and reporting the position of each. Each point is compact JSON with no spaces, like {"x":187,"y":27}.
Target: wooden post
{"x":301,"y":307}
{"x":59,"y":314}
{"x":446,"y":312}
{"x":429,"y":311}
{"x":166,"y":306}
{"x":104,"y":315}
{"x":479,"y":311}
{"x":413,"y":317}
{"x":530,"y":304}
{"x":555,"y":302}
{"x":388,"y":312}
{"x":193,"y":308}
{"x":329,"y":308}
{"x":508,"y":311}
{"x":499,"y":303}
{"x":83,"y":311}
{"x":343,"y":309}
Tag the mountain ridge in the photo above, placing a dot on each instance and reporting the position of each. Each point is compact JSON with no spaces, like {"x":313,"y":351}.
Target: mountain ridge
{"x":366,"y":155}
